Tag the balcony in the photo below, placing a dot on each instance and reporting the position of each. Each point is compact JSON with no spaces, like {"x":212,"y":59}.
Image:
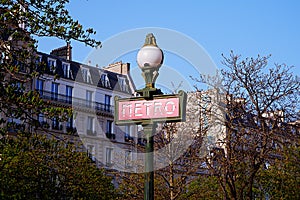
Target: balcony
{"x":111,"y":136}
{"x":58,"y":127}
{"x":71,"y":130}
{"x":78,"y":102}
{"x":16,"y":128}
{"x":44,"y":124}
{"x":128,"y":138}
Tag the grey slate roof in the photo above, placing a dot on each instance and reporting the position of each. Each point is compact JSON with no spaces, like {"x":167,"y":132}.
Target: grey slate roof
{"x":94,"y":72}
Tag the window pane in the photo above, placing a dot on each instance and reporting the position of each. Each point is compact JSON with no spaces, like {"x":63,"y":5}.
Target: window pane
{"x":69,"y":91}
{"x":84,"y":74}
{"x":54,"y":91}
{"x":108,"y":156}
{"x":56,"y":124}
{"x":127,"y":129}
{"x":89,"y":95}
{"x":109,"y":128}
{"x":66,"y":70}
{"x":70,"y":122}
{"x":90,"y":124}
{"x":39,"y":86}
{"x":107,"y":101}
{"x":122,"y":84}
{"x":52,"y":65}
{"x":91,"y":152}
{"x":104,"y":80}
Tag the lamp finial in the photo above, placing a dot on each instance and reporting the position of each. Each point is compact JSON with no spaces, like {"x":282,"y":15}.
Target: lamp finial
{"x":150,"y":40}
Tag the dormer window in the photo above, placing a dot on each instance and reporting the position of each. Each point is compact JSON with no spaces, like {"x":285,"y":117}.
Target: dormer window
{"x":38,"y":59}
{"x":86,"y":75}
{"x":52,"y":64}
{"x":104,"y":80}
{"x":66,"y":70}
{"x":122,"y":84}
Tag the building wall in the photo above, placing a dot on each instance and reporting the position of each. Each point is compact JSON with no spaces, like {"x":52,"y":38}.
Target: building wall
{"x":108,"y":147}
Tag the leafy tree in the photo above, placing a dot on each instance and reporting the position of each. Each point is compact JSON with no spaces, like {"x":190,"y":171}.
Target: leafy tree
{"x":20,"y":21}
{"x":132,"y":186}
{"x":204,"y":187}
{"x":33,"y":167}
{"x":281,"y":179}
{"x":37,"y":167}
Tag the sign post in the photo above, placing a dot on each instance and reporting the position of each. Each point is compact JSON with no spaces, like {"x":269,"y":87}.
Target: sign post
{"x":150,"y":107}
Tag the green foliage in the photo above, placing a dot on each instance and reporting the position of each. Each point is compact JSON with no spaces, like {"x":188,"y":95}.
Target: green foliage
{"x":44,"y":18}
{"x":205,"y":187}
{"x":32,"y":166}
{"x":282,"y":179}
{"x":42,"y":168}
{"x":20,"y":21}
{"x":132,"y":187}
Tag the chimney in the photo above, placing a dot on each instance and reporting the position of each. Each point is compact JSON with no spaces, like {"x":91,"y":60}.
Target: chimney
{"x":69,"y":51}
{"x":63,"y":52}
{"x":118,"y":67}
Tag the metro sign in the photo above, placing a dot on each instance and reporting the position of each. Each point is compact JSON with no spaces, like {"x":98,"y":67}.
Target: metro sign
{"x":143,"y":109}
{"x":169,"y":108}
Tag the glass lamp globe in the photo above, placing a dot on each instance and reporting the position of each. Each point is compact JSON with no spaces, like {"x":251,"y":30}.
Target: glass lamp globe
{"x":149,"y":57}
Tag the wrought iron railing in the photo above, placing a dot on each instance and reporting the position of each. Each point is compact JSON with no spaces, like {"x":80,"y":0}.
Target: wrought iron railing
{"x":76,"y":101}
{"x":111,"y":136}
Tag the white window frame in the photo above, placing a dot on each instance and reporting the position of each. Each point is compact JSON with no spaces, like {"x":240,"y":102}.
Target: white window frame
{"x":107,"y":102}
{"x":122,"y":83}
{"x":69,"y":96}
{"x":54,"y":91}
{"x":108,"y":156}
{"x":39,"y":85}
{"x":104,"y":80}
{"x":90,"y":124}
{"x":66,"y":69}
{"x":86,"y":75}
{"x":89,"y":97}
{"x":51,"y":64}
{"x":91,"y":152}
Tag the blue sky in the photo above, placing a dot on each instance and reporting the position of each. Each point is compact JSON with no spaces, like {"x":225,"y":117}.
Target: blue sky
{"x":246,"y":27}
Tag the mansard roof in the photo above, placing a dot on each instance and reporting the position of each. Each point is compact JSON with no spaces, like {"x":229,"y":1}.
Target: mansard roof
{"x":95,"y":74}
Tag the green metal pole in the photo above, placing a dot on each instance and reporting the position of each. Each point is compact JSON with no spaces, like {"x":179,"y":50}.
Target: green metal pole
{"x":149,"y":171}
